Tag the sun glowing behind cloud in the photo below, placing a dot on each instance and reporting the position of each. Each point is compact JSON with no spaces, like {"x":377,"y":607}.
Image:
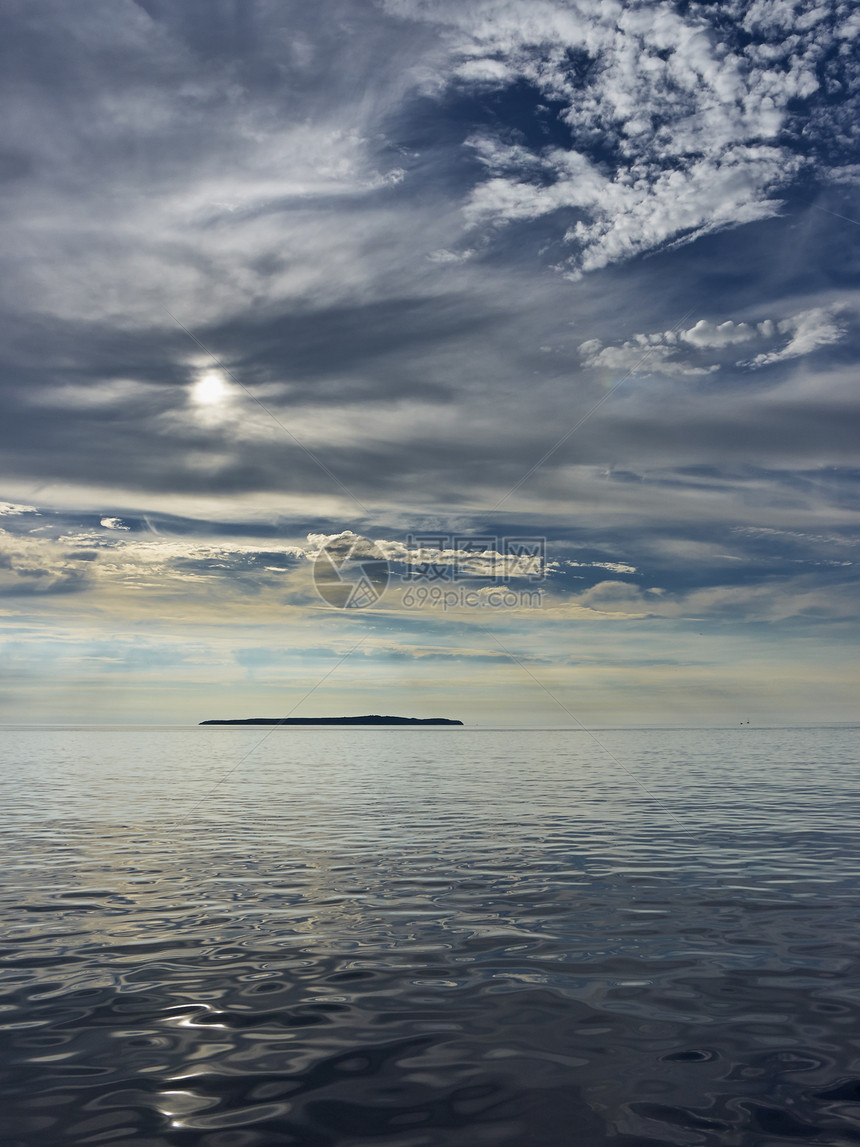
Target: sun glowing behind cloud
{"x":210,"y":390}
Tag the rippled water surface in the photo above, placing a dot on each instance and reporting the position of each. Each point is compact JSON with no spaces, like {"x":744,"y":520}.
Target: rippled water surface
{"x":429,"y":937}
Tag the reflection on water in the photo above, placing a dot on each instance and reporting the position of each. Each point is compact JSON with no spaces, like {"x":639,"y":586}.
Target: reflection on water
{"x":429,"y":937}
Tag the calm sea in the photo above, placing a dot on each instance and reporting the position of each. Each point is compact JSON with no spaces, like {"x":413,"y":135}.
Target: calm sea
{"x":430,"y":937}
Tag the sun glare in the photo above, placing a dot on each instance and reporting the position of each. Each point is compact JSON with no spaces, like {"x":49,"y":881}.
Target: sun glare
{"x":210,"y":390}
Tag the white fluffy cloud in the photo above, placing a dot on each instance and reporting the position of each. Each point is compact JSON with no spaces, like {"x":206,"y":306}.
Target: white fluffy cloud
{"x":662,"y":352}
{"x":643,"y":354}
{"x":420,"y":552}
{"x":807,"y":331}
{"x":13,"y":509}
{"x":707,"y":334}
{"x":675,"y":123}
{"x":613,"y":567}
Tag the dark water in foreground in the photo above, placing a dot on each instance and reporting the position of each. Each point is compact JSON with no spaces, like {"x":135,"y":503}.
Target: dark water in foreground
{"x":430,"y":937}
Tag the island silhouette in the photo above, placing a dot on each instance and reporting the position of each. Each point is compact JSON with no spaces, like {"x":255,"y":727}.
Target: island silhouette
{"x":372,"y":719}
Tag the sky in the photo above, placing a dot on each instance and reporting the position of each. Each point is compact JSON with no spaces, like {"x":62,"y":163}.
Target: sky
{"x":438,"y":274}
